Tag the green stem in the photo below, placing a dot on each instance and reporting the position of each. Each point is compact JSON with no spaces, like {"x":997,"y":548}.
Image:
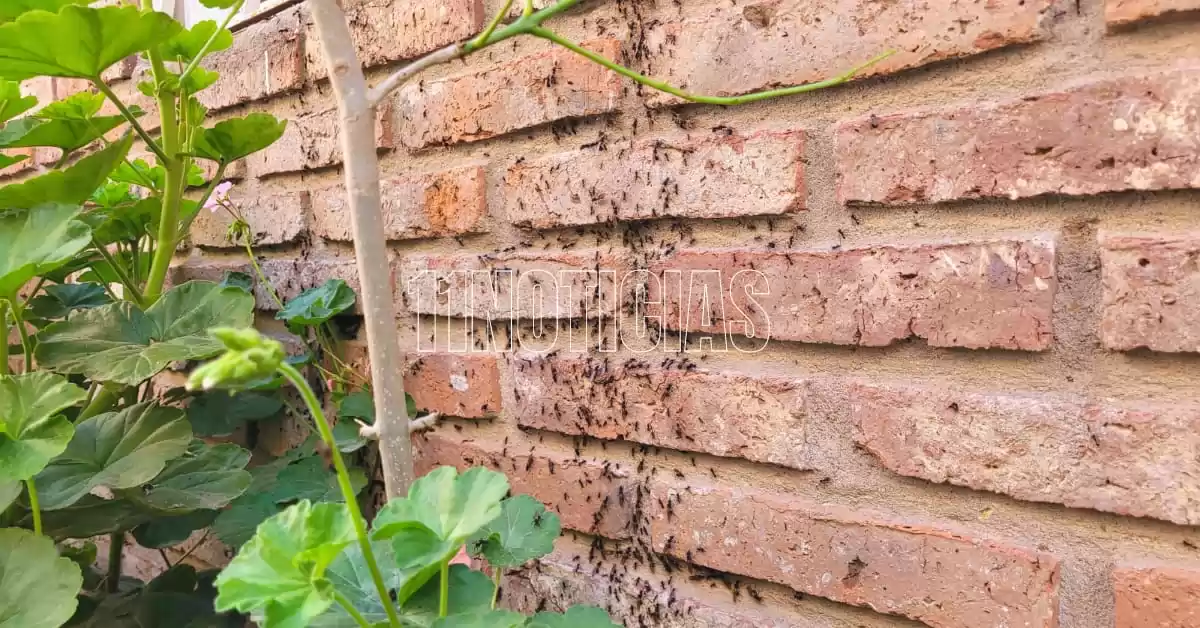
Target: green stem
{"x":132,"y":119}
{"x":116,"y":545}
{"x":26,"y":343}
{"x":491,"y":27}
{"x":3,"y":337}
{"x":105,"y":399}
{"x":168,"y":224}
{"x":293,"y":376}
{"x":34,"y":507}
{"x":350,"y":610}
{"x":262,"y":277}
{"x":233,"y":11}
{"x":444,"y":598}
{"x":528,"y":7}
{"x":135,"y":295}
{"x":496,"y":581}
{"x":208,"y":192}
{"x":661,"y":86}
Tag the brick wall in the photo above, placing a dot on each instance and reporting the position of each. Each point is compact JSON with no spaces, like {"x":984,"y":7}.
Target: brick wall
{"x":978,"y":406}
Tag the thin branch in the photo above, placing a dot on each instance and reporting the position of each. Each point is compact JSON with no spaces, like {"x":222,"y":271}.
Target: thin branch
{"x":437,"y":57}
{"x":499,"y":17}
{"x":122,"y":276}
{"x":128,"y":115}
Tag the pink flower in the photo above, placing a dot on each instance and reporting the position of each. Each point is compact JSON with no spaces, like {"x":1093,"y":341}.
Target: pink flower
{"x":220,"y":195}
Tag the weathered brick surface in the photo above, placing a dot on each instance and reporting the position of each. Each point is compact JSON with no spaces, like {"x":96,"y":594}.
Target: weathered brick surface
{"x":21,"y":166}
{"x":465,"y":386}
{"x":312,"y":141}
{"x":589,"y":495}
{"x":385,"y":31}
{"x":274,"y":219}
{"x":1138,"y":132}
{"x":940,"y":577}
{"x":726,"y":414}
{"x":1156,"y":597}
{"x":978,"y":295}
{"x":446,"y":203}
{"x":289,"y":277}
{"x":533,"y":90}
{"x":266,"y":59}
{"x":1151,"y":291}
{"x":508,"y":286}
{"x":725,"y":49}
{"x":716,"y":175}
{"x":1127,"y":458}
{"x":1124,"y":12}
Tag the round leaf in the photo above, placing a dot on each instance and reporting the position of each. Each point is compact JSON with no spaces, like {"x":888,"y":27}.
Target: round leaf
{"x":449,"y":505}
{"x":10,"y":490}
{"x":280,"y":572}
{"x":115,"y":449}
{"x":120,"y":343}
{"x":171,"y":531}
{"x":78,"y":42}
{"x":207,"y":477}
{"x":317,"y":305}
{"x":37,"y":241}
{"x":37,"y":586}
{"x":60,"y":299}
{"x":32,"y":431}
{"x":523,"y":532}
{"x":233,"y":139}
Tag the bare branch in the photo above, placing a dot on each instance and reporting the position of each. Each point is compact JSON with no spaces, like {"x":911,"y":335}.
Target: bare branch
{"x":437,"y":57}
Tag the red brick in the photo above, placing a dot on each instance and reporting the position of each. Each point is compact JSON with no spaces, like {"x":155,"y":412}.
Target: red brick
{"x":391,"y":31}
{"x":1123,"y":12}
{"x":121,"y":71}
{"x":1151,"y":292}
{"x":1157,"y":597}
{"x":996,"y":294}
{"x":726,"y":414}
{"x":431,"y":205}
{"x":524,"y":285}
{"x":943,"y":578}
{"x":1125,"y":458}
{"x":1131,"y":133}
{"x":711,"y":176}
{"x":726,"y":49}
{"x":64,"y":87}
{"x":21,"y":166}
{"x":312,"y":141}
{"x":589,"y":495}
{"x":274,"y":219}
{"x":533,"y":90}
{"x":288,"y":276}
{"x":266,"y":59}
{"x":466,"y":386}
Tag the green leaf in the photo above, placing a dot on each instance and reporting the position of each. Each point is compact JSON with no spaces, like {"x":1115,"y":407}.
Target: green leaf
{"x":12,"y":9}
{"x":358,"y":405}
{"x":523,"y":532}
{"x":207,"y":477}
{"x":470,"y":592}
{"x":90,"y":516}
{"x":220,"y":412}
{"x":61,"y":299}
{"x":120,"y":343}
{"x":309,"y":479}
{"x":317,"y":305}
{"x":68,"y":135}
{"x":176,"y":598}
{"x":171,"y":531}
{"x":12,"y":103}
{"x":78,"y":42}
{"x":35,"y":242}
{"x":497,"y":618}
{"x":188,"y":43}
{"x":8,"y":160}
{"x":83,"y":555}
{"x":240,"y":280}
{"x":233,"y":139}
{"x":10,"y":490}
{"x":140,"y":173}
{"x":199,"y":80}
{"x":115,"y":449}
{"x":37,"y":586}
{"x":127,"y":222}
{"x":235,"y":525}
{"x":77,"y":106}
{"x":32,"y":431}
{"x":350,"y":576}
{"x":71,"y":186}
{"x":281,"y":571}
{"x":442,"y":510}
{"x":575,"y":617}
{"x":218,"y":4}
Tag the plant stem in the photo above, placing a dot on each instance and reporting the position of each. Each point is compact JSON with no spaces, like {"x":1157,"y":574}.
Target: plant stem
{"x":262,"y":277}
{"x":26,"y":344}
{"x":350,"y":610}
{"x":34,"y":507}
{"x":233,"y":11}
{"x":491,"y":27}
{"x":496,"y":581}
{"x":128,"y":115}
{"x":444,"y":598}
{"x":3,"y":337}
{"x":168,"y":223}
{"x":116,"y":545}
{"x":130,"y":287}
{"x":360,"y":527}
{"x":104,"y":400}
